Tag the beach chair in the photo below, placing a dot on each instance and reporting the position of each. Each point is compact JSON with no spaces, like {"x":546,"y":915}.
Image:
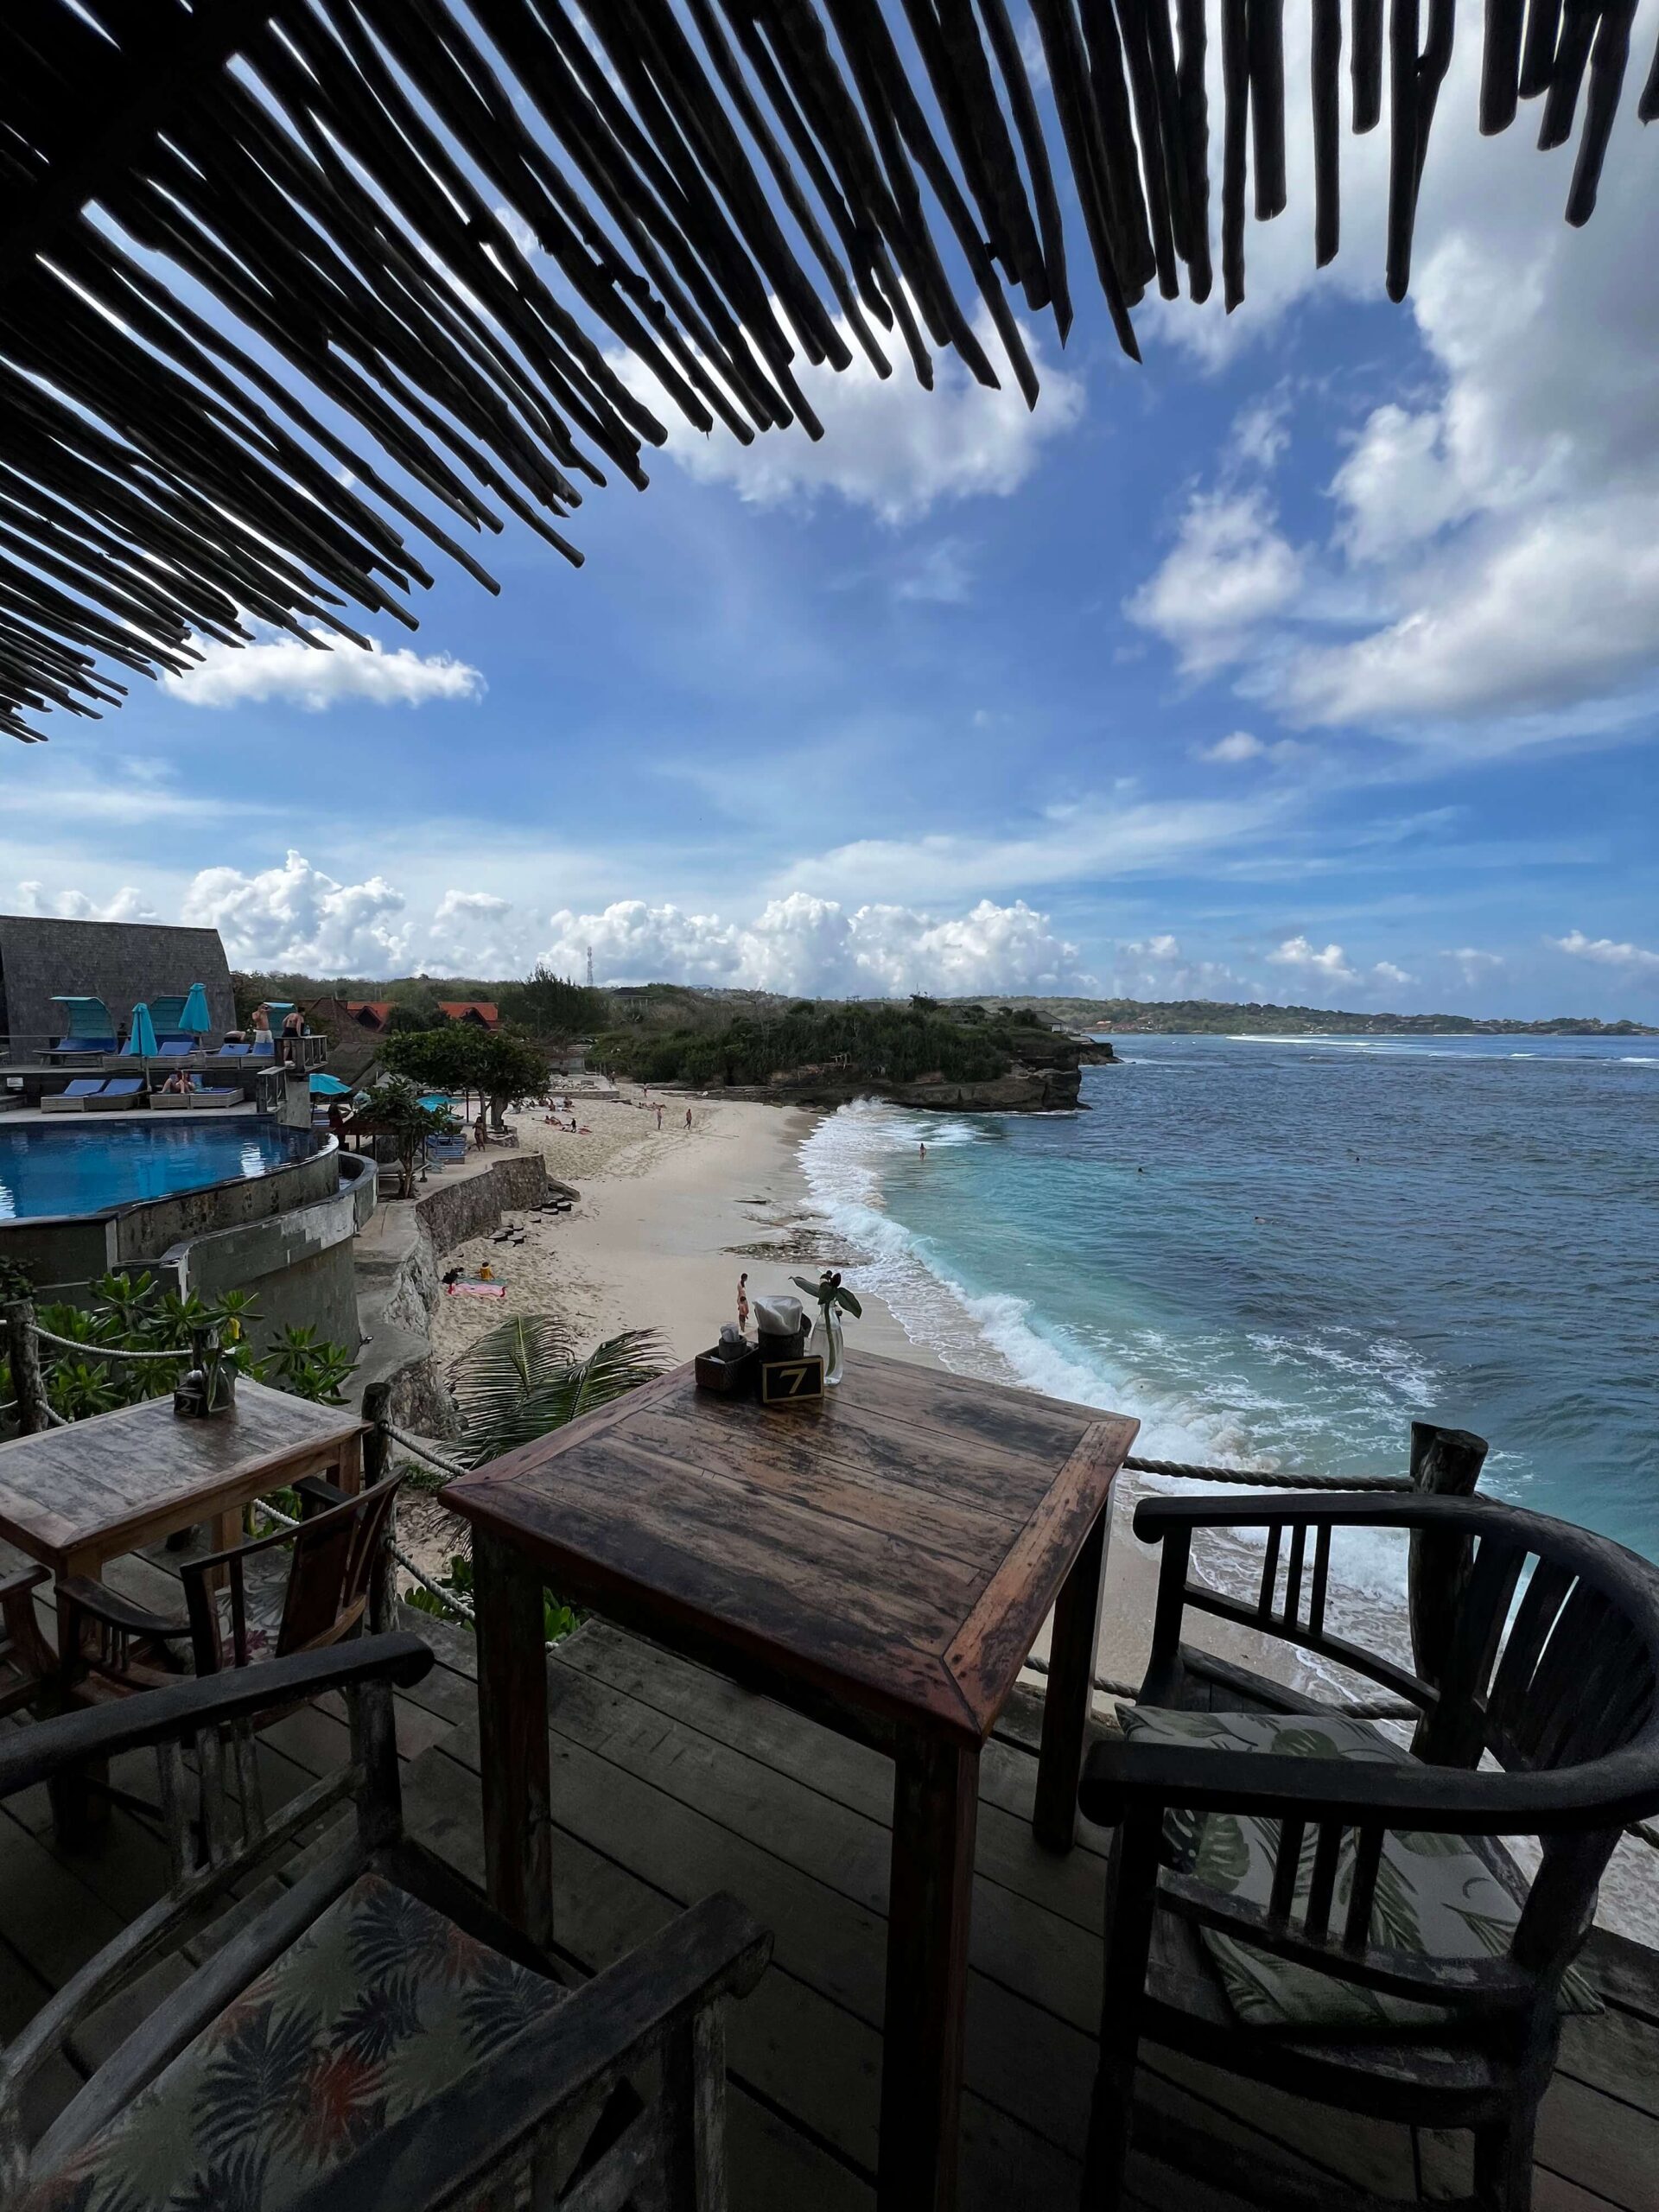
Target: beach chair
{"x":175,"y":1101}
{"x":1295,"y":1898}
{"x":119,"y":1095}
{"x":174,"y":1048}
{"x":232,"y":1052}
{"x":91,"y":1029}
{"x":76,"y":1097}
{"x":369,"y":2033}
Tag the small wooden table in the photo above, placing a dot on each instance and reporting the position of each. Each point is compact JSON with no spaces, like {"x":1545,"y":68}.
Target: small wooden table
{"x":883,"y":1564}
{"x":75,"y":1498}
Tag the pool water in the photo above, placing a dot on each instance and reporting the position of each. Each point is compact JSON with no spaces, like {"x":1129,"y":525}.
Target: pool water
{"x":46,"y":1170}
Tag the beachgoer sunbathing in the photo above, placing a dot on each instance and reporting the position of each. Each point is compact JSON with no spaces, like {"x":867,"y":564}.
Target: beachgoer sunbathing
{"x":180,"y":1082}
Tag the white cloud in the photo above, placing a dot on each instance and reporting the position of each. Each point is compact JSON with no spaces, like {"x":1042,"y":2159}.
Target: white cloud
{"x":296,"y":917}
{"x":1385,"y":972}
{"x":126,"y":906}
{"x":277,"y":667}
{"x":1492,"y":554}
{"x":800,"y":943}
{"x":887,"y":444}
{"x":1633,"y":958}
{"x":1475,"y":966}
{"x":1236,"y":747}
{"x":1329,"y":966}
{"x":1229,"y":571}
{"x":1261,"y":432}
{"x":943,"y":575}
{"x":1157,"y":967}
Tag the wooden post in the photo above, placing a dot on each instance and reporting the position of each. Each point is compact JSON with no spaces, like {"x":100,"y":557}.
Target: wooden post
{"x":1445,"y":1463}
{"x":23,"y":1358}
{"x":513,"y":1735}
{"x":376,"y":1466}
{"x":935,"y":1809}
{"x":1069,"y":1698}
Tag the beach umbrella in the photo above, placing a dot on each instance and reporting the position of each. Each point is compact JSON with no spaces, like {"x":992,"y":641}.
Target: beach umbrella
{"x":141,"y":1041}
{"x":195,"y":1017}
{"x":329,"y":1086}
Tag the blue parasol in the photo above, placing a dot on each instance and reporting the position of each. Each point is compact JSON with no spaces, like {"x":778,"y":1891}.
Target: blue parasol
{"x":329,"y":1086}
{"x":141,"y":1041}
{"x":195,"y":1017}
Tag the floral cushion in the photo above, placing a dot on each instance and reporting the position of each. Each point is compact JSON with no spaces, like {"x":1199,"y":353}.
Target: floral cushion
{"x":1435,"y":1897}
{"x":380,"y":2005}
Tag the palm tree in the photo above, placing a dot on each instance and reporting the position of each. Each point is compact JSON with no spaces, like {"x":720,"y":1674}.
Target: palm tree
{"x":523,"y":1379}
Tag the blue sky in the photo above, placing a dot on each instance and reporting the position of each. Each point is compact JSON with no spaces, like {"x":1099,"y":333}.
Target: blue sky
{"x":1313,"y":660}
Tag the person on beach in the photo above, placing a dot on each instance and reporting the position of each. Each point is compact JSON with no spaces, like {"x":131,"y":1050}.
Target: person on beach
{"x":688,"y":1117}
{"x":659,"y":1117}
{"x":743,"y":1304}
{"x":480,"y":1132}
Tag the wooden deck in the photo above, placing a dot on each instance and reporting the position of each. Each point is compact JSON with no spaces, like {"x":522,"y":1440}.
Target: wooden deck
{"x":669,"y":1783}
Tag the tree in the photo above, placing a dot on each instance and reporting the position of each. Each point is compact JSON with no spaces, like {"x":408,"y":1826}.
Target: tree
{"x":393,"y":1108}
{"x":507,"y":1066}
{"x":551,"y":1008}
{"x":440,"y":1059}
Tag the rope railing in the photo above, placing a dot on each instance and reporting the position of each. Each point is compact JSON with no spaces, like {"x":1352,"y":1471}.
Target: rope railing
{"x":108,"y":1352}
{"x":453,"y":1598}
{"x":1260,"y":1479}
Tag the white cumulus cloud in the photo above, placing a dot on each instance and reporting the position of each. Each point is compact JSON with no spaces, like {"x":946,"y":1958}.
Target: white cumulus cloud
{"x":1385,"y":972}
{"x":296,"y":917}
{"x":1330,"y":965}
{"x":126,"y":904}
{"x":279,"y":667}
{"x":1636,"y":958}
{"x":800,"y":943}
{"x":1229,"y":571}
{"x":887,"y":444}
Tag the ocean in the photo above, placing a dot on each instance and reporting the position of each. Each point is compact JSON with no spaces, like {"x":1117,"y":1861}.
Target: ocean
{"x":1278,"y":1251}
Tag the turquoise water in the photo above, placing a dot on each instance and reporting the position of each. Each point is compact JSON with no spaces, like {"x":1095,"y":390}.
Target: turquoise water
{"x":48,"y":1169}
{"x":1278,"y":1251}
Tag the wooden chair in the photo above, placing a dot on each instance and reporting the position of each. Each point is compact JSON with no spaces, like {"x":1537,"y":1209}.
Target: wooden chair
{"x":1296,"y":1899}
{"x":121,"y":1647}
{"x":26,"y":1662}
{"x":376,"y":2039}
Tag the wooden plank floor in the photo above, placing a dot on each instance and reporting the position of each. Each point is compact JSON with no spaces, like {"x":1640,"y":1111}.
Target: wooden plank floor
{"x":669,"y":1783}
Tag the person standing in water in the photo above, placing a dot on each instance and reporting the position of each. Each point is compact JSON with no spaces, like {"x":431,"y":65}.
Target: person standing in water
{"x":922,"y":1148}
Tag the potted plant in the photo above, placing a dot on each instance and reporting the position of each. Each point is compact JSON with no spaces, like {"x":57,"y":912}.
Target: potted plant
{"x":832,"y":1300}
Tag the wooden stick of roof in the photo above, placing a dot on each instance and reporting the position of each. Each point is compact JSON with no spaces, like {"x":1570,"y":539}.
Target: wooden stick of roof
{"x":290,"y":286}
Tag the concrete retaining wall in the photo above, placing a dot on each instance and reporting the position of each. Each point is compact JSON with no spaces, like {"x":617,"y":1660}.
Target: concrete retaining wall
{"x":298,"y":1265}
{"x":398,"y":1284}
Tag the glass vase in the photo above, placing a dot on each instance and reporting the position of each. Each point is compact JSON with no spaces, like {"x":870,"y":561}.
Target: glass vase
{"x":825,"y":1342}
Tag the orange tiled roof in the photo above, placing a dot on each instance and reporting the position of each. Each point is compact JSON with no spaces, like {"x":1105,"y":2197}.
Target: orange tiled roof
{"x":457,"y":1009}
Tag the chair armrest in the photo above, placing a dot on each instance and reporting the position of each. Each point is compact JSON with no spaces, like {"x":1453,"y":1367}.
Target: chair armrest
{"x":442,"y":2152}
{"x":25,"y":1580}
{"x":108,"y":1605}
{"x":1156,"y":1516}
{"x":1605,"y":1793}
{"x":38,"y":1753}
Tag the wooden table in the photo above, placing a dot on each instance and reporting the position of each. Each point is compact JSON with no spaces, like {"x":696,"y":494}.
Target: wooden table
{"x":882,"y":1563}
{"x":75,"y":1498}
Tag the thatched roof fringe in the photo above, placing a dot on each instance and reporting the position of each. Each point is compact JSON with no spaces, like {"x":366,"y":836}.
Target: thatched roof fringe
{"x":264,"y":314}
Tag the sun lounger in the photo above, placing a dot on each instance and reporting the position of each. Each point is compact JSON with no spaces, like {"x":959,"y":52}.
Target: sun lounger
{"x":232,"y":1052}
{"x":117,"y":1095}
{"x":173,"y":1048}
{"x":75,"y":1099}
{"x":183,"y":1101}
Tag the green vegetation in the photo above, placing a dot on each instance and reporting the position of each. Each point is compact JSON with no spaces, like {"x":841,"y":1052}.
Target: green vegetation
{"x":872,"y":1040}
{"x":553,"y":1011}
{"x":133,"y":1313}
{"x":393,"y":1108}
{"x":521,"y":1381}
{"x":499,"y":1064}
{"x":1223,"y":1017}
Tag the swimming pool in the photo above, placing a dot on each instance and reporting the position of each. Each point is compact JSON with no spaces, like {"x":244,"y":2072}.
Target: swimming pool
{"x":48,"y":1172}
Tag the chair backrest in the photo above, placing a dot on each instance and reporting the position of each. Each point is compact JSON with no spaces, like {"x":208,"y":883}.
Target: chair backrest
{"x":1552,"y":1663}
{"x":333,"y":1569}
{"x":332,"y":1559}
